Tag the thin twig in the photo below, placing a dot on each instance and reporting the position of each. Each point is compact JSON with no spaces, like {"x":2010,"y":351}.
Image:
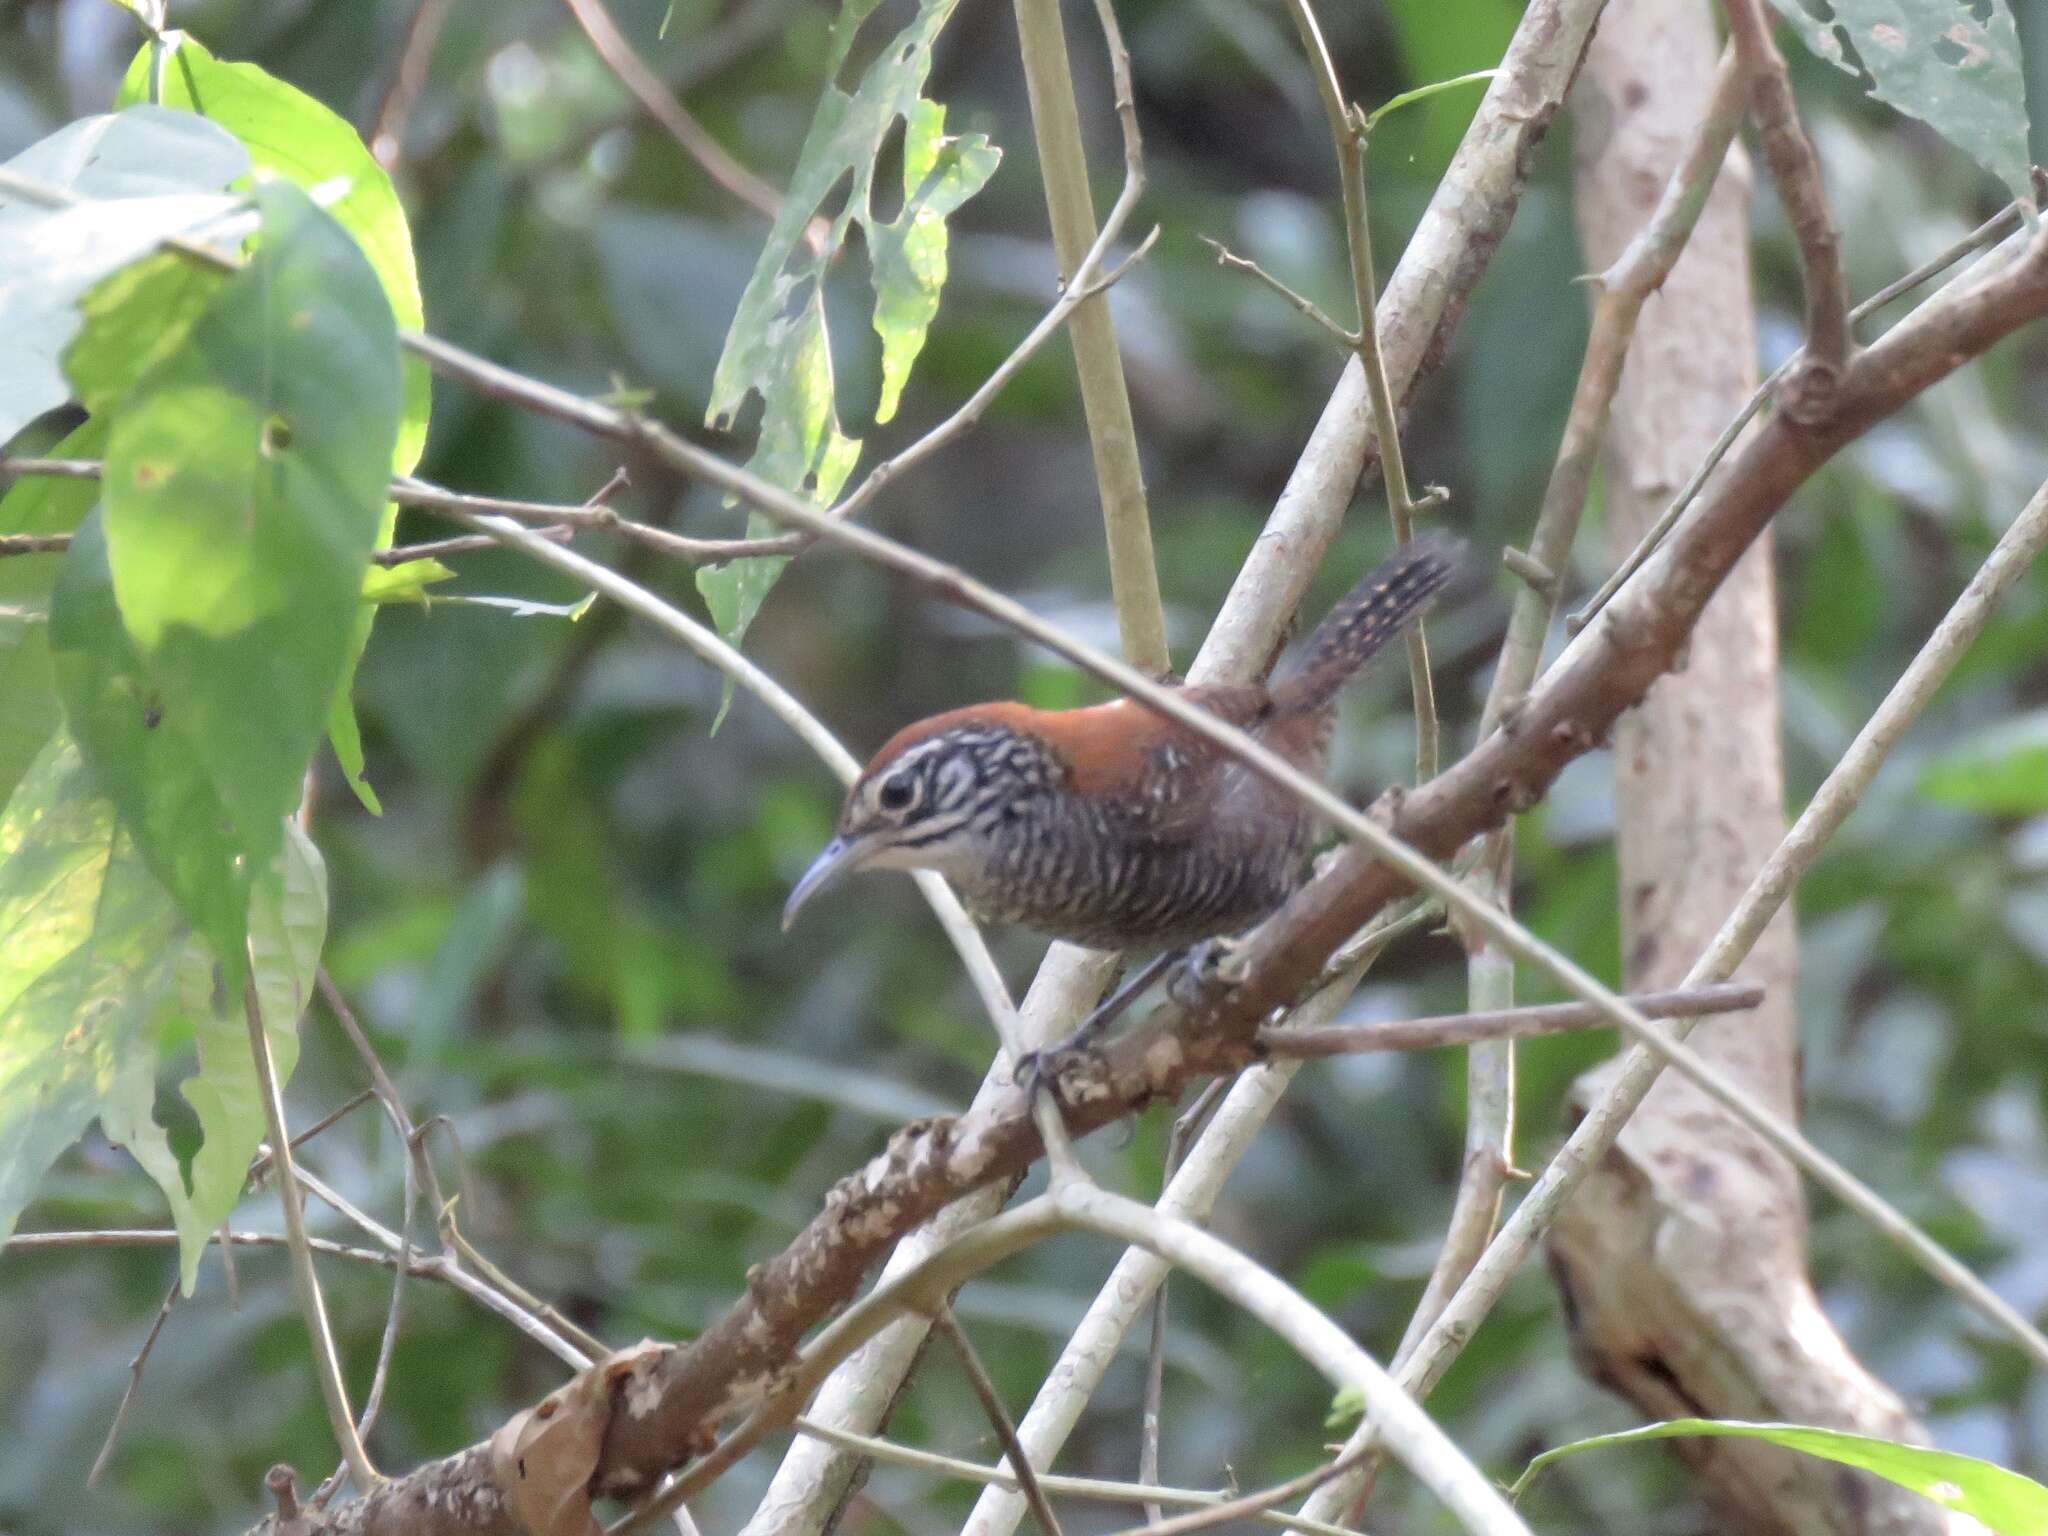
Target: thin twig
{"x":312,"y":1305}
{"x":1151,"y":1419}
{"x":660,"y":103}
{"x":991,"y":1401}
{"x":434,"y":1267}
{"x":1990,"y":232}
{"x":135,"y":1368}
{"x":1347,"y":134}
{"x":1226,"y":257}
{"x":1525,"y":1023}
{"x":386,"y":137}
{"x":436,"y":549}
{"x":1809,"y":394}
{"x":1255,"y":1503}
{"x":387,"y":1095}
{"x":1623,"y":289}
{"x":1102,"y":1489}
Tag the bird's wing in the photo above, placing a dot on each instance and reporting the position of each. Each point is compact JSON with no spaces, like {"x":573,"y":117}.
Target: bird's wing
{"x":1167,"y":783}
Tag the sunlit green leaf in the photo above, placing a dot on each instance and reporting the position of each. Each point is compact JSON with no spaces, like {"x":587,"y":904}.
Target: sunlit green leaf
{"x":2001,"y":771}
{"x":2005,"y":1502}
{"x":87,"y":951}
{"x":406,"y":582}
{"x":1955,"y":67}
{"x":118,"y":185}
{"x":245,"y":480}
{"x":778,"y":347}
{"x":304,"y":141}
{"x":133,"y":321}
{"x":155,"y":776}
{"x":287,"y":924}
{"x":299,"y":138}
{"x":96,"y":967}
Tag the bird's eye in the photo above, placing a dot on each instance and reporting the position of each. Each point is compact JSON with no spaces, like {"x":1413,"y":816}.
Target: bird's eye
{"x":896,"y":793}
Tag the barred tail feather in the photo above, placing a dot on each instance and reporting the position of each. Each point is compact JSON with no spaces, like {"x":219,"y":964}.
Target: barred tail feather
{"x":1370,"y":615}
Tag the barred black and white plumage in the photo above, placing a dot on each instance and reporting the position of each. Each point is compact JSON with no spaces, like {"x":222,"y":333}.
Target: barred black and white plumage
{"x":1113,"y":826}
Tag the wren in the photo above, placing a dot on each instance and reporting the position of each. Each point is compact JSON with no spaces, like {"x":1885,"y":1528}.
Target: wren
{"x":1113,"y":826}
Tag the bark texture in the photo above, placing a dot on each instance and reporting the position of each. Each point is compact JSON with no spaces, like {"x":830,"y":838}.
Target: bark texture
{"x":1683,"y":1259}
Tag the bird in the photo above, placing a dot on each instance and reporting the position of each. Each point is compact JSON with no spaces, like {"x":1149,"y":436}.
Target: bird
{"x":1114,"y":826}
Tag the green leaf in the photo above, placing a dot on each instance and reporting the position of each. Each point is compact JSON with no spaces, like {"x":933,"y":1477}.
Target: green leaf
{"x":300,"y":139}
{"x":133,"y":321}
{"x":153,"y":775}
{"x":2009,"y":1504}
{"x":244,"y":490}
{"x":118,"y":185}
{"x":29,"y":708}
{"x":2001,"y":771}
{"x":1955,"y":67}
{"x":406,"y":582}
{"x":88,"y":949}
{"x":97,"y":969}
{"x":778,"y":346}
{"x":1346,"y":1409}
{"x":287,"y":925}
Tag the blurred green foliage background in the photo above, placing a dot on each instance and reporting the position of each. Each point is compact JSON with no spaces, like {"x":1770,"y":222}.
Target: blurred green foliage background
{"x":561,"y":931}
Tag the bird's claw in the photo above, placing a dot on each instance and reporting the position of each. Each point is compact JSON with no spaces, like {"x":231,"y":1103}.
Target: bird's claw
{"x":1211,"y":964}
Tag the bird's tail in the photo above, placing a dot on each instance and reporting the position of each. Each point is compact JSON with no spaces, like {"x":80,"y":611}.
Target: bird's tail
{"x":1369,"y":615}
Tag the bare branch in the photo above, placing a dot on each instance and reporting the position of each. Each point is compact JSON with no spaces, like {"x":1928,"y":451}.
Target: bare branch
{"x":1525,"y":1023}
{"x":1796,"y":171}
{"x":1225,"y":257}
{"x":1824,"y":814}
{"x":999,"y":1418}
{"x":386,"y":137}
{"x":660,"y":103}
{"x":1076,"y":1487}
{"x":1990,"y":232}
{"x":1347,"y":134}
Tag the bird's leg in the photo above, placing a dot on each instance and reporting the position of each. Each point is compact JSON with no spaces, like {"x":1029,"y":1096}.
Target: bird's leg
{"x":1032,"y":1070}
{"x":1211,"y":963}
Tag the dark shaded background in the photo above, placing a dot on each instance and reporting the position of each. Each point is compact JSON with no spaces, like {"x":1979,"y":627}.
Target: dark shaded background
{"x":570,"y":897}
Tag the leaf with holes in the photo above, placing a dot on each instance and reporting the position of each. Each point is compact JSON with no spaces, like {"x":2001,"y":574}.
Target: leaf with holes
{"x":85,"y":202}
{"x":778,"y":347}
{"x":98,"y":969}
{"x":306,"y":143}
{"x":1954,"y":64}
{"x":2004,"y":1502}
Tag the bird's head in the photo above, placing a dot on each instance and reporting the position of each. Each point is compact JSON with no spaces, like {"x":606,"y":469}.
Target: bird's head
{"x":940,"y":795}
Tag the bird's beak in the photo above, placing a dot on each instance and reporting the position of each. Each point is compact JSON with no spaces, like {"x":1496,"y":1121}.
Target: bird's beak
{"x":833,"y":860}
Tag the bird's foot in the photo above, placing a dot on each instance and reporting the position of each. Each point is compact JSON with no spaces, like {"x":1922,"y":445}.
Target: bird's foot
{"x":1212,"y":965}
{"x":1040,"y":1069}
